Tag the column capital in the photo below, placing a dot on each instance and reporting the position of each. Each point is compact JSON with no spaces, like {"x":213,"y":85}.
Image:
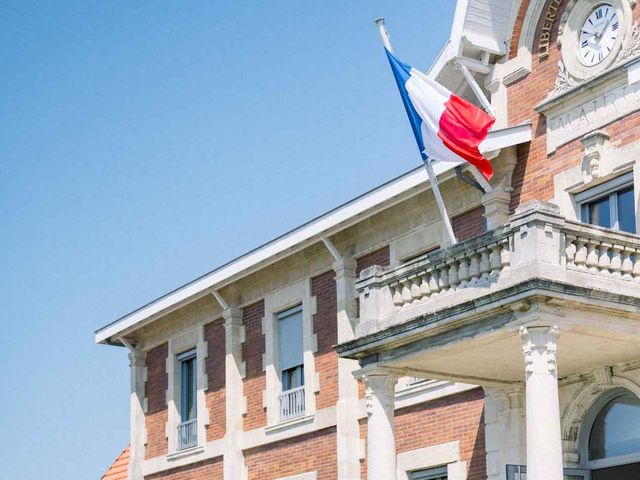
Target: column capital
{"x":380,"y":384}
{"x":540,"y":345}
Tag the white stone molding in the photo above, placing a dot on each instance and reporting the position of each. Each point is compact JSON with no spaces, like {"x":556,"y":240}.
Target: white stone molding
{"x":434,"y":456}
{"x":235,"y":401}
{"x":544,"y":446}
{"x":381,"y":442}
{"x":601,"y":380}
{"x":295,"y":294}
{"x":190,"y":339}
{"x":302,"y":476}
{"x":595,"y":146}
{"x":504,"y":429}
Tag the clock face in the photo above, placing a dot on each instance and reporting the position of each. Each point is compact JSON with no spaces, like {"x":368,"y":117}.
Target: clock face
{"x":598,"y":35}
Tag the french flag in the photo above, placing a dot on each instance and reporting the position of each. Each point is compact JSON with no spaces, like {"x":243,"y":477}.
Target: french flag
{"x":446,"y":127}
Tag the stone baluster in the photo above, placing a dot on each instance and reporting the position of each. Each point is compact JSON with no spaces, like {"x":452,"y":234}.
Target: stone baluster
{"x":496,"y":264}
{"x":425,"y":290}
{"x":570,"y":251}
{"x":604,"y":261}
{"x":443,"y":278}
{"x":627,"y":264}
{"x":415,"y":287}
{"x":474,"y":268}
{"x":453,"y":275}
{"x":433,"y":281}
{"x":581,"y":254}
{"x":593,"y":256}
{"x":463,"y":272}
{"x":485,"y":264}
{"x":396,"y":294}
{"x":616,"y":260}
{"x":406,"y":291}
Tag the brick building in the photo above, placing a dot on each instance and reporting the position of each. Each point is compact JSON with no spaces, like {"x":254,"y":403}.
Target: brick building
{"x":361,"y":345}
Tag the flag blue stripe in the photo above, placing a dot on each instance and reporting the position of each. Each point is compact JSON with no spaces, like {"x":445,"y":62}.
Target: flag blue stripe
{"x":401,"y":72}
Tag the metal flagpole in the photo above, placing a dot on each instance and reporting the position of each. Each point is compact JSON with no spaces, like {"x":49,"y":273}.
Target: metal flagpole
{"x":427,"y":161}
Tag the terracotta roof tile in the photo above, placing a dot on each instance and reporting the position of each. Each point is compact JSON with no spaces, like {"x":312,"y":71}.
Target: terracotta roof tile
{"x":119,"y":469}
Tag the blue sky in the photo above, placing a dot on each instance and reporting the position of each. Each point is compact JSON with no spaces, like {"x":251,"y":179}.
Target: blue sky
{"x":143,"y":144}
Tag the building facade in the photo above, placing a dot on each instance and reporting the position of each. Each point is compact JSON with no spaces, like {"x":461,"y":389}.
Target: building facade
{"x":362,"y":345}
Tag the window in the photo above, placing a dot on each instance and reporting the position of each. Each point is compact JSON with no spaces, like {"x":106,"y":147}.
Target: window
{"x":291,"y":363}
{"x":439,"y":473}
{"x":188,"y":428}
{"x":616,"y":429}
{"x":519,"y":472}
{"x":610,"y":205}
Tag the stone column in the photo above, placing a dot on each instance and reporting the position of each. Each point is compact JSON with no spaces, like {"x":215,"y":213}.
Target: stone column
{"x":234,"y":467}
{"x":138,"y":365}
{"x":544,"y":442}
{"x":381,"y":440}
{"x":348,"y":429}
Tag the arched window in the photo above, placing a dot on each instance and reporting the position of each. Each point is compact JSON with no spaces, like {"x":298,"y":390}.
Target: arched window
{"x":611,"y":438}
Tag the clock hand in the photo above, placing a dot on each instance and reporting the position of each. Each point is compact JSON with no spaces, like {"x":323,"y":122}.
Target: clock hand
{"x":606,"y":25}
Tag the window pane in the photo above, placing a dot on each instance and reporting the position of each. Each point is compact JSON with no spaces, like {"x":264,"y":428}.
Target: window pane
{"x":290,"y":331}
{"x":439,"y":473}
{"x":616,"y":430}
{"x":188,"y":389}
{"x":626,"y":211}
{"x":292,"y":378}
{"x":599,"y":213}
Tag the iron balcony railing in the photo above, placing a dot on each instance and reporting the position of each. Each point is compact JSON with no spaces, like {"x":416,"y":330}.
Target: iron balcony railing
{"x":291,"y":403}
{"x":188,"y":434}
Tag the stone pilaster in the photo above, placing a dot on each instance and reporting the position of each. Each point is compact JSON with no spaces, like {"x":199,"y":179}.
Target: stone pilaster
{"x":348,"y":430}
{"x":234,"y":467}
{"x":381,"y":441}
{"x":138,"y":366}
{"x":544,"y":442}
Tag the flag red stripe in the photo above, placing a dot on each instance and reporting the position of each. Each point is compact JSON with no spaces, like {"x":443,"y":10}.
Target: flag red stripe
{"x":463,"y":126}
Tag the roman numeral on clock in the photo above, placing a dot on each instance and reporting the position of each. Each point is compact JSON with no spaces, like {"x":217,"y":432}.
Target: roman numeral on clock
{"x":599,"y":14}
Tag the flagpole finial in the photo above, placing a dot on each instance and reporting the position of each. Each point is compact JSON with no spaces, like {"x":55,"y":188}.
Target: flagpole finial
{"x":382,"y":30}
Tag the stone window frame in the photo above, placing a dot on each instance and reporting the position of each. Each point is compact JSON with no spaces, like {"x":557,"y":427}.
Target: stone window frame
{"x":192,"y":339}
{"x":606,"y":189}
{"x":295,"y":294}
{"x":301,"y":476}
{"x":444,"y":454}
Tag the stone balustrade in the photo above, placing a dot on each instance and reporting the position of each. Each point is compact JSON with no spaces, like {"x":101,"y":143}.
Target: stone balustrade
{"x":470,"y":267}
{"x":536,"y":243}
{"x":602,"y":252}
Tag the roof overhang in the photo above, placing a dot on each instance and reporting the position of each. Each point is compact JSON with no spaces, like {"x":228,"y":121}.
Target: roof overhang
{"x":312,"y":232}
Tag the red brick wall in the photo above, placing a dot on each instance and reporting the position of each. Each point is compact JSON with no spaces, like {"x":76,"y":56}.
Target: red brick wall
{"x":469,"y":224}
{"x":534,"y":172}
{"x":313,"y":452}
{"x":252,"y":350}
{"x":323,"y":287}
{"x":458,"y":417}
{"x":207,"y":470}
{"x":215,"y":368}
{"x":156,"y":416}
